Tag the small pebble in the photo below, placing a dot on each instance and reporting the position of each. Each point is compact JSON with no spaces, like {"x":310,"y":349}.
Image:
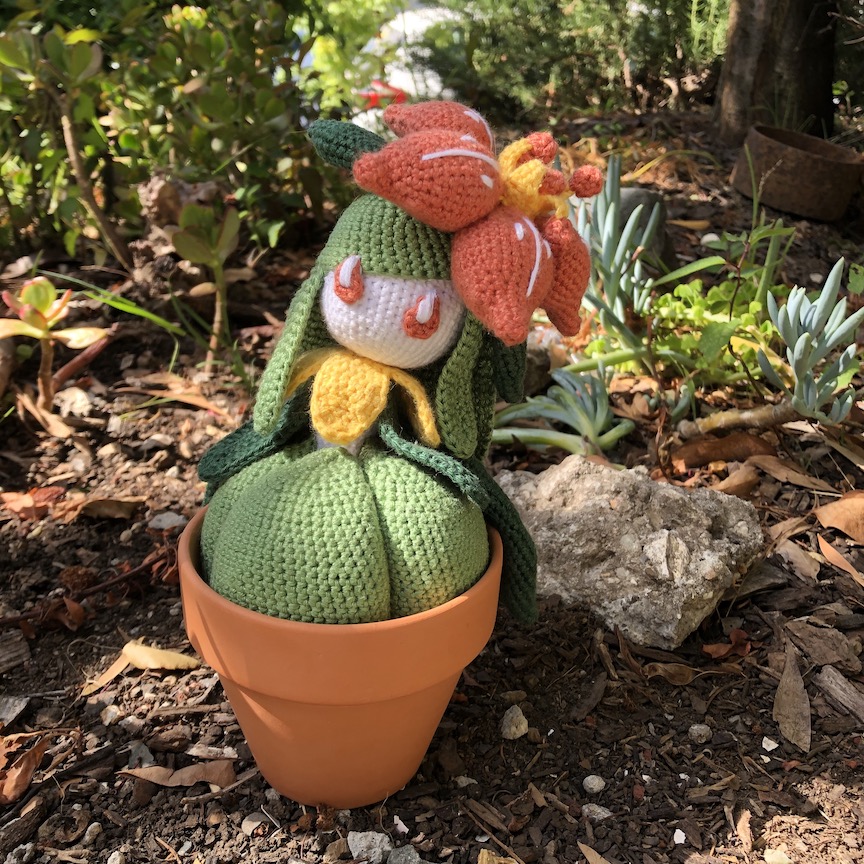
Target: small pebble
{"x":462,"y":781}
{"x":595,"y":813}
{"x":593,"y":784}
{"x":679,"y":837}
{"x":110,"y":714}
{"x":513,"y":724}
{"x":511,"y":697}
{"x":700,"y":733}
{"x":116,"y":857}
{"x":94,"y":829}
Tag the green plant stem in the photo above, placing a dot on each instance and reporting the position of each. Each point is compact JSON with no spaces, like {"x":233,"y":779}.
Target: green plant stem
{"x":85,"y":189}
{"x":220,"y":317}
{"x":613,"y":358}
{"x":46,"y":380}
{"x":543,"y":438}
{"x":751,"y":418}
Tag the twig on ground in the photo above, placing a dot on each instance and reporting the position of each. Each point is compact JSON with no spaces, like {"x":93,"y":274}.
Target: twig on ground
{"x":245,"y":777}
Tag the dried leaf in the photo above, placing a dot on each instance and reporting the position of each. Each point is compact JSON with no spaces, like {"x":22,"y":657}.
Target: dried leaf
{"x":739,"y":643}
{"x":591,"y":856}
{"x":33,"y":504}
{"x":15,"y":781}
{"x":674,"y":673}
{"x":115,"y":669}
{"x":776,"y":856}
{"x":845,"y":514}
{"x":733,"y":448}
{"x":487,"y":856}
{"x":51,"y":423}
{"x":739,"y":483}
{"x":146,"y":657}
{"x":78,"y":504}
{"x":800,"y":562}
{"x":789,"y":472}
{"x":792,"y":705}
{"x":195,"y":399}
{"x":788,"y":528}
{"x":832,"y":556}
{"x":690,"y":224}
{"x":219,"y":774}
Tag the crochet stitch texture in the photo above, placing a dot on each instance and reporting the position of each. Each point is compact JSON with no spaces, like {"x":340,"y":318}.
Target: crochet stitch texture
{"x":358,"y":491}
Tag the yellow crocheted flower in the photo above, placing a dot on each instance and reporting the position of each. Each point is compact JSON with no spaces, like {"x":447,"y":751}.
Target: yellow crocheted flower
{"x":524,"y":175}
{"x":350,"y":392}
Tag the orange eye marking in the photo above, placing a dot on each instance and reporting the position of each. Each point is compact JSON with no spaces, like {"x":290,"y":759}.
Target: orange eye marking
{"x":348,"y":280}
{"x":423,"y":318}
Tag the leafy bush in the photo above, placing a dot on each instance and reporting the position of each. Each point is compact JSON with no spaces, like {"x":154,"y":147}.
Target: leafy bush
{"x":219,"y":93}
{"x":538,"y":60}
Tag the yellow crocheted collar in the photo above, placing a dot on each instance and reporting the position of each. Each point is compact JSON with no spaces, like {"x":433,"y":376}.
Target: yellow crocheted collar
{"x":349,"y":392}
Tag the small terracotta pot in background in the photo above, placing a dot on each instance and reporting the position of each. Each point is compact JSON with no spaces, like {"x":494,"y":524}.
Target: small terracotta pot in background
{"x":798,"y":173}
{"x":337,"y":714}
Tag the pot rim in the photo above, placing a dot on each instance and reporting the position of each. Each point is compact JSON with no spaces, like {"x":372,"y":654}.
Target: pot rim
{"x":810,"y":144}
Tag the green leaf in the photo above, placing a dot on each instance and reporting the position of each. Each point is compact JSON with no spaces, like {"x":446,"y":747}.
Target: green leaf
{"x":56,"y":51}
{"x":683,"y":272}
{"x":82,"y":34}
{"x":856,"y":279}
{"x":11,"y":55}
{"x":13,"y":327}
{"x":197,"y":216}
{"x":274,"y":229}
{"x":229,"y":233}
{"x":84,"y":61}
{"x":715,"y":338}
{"x":193,"y":247}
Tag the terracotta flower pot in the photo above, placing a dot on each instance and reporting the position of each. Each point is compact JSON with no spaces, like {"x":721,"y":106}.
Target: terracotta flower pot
{"x":337,"y":714}
{"x":798,"y":173}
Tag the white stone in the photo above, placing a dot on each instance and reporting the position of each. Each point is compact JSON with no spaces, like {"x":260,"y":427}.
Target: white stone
{"x":679,"y":837}
{"x":166,"y":521}
{"x":110,"y":714}
{"x":769,"y":744}
{"x":593,"y":784}
{"x":94,"y":829}
{"x":595,"y":813}
{"x":514,"y":723}
{"x":116,"y":857}
{"x":371,"y":845}
{"x":700,"y":733}
{"x":651,"y":559}
{"x":404,"y":855}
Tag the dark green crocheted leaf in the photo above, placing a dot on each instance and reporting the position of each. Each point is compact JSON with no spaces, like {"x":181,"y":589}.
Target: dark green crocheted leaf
{"x":519,"y":576}
{"x":454,"y":395}
{"x":509,"y":368}
{"x":244,"y":446}
{"x":340,"y":143}
{"x":436,"y":461}
{"x":294,"y":339}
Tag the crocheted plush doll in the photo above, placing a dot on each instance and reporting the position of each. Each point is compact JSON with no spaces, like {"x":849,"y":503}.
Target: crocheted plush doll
{"x":358,"y":492}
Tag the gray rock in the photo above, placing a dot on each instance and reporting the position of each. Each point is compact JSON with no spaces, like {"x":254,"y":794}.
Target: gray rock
{"x":371,"y":845}
{"x":700,"y":733}
{"x":595,"y":813}
{"x":593,"y":784}
{"x":404,"y":855}
{"x":647,"y":557}
{"x":513,"y":724}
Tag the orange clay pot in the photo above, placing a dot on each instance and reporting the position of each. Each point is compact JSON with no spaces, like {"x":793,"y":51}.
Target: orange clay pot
{"x":337,"y":714}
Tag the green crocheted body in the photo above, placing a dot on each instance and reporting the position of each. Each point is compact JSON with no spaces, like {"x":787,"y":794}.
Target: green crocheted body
{"x":327,"y":537}
{"x":324,"y":536}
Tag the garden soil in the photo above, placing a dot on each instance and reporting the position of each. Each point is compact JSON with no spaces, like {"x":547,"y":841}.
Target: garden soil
{"x":631,"y":755}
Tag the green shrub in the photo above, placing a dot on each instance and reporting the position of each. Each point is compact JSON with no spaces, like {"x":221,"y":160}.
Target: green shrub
{"x":222,"y":92}
{"x":537,"y":60}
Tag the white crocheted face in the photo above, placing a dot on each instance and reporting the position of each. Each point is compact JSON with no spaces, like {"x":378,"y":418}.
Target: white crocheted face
{"x":406,"y":323}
